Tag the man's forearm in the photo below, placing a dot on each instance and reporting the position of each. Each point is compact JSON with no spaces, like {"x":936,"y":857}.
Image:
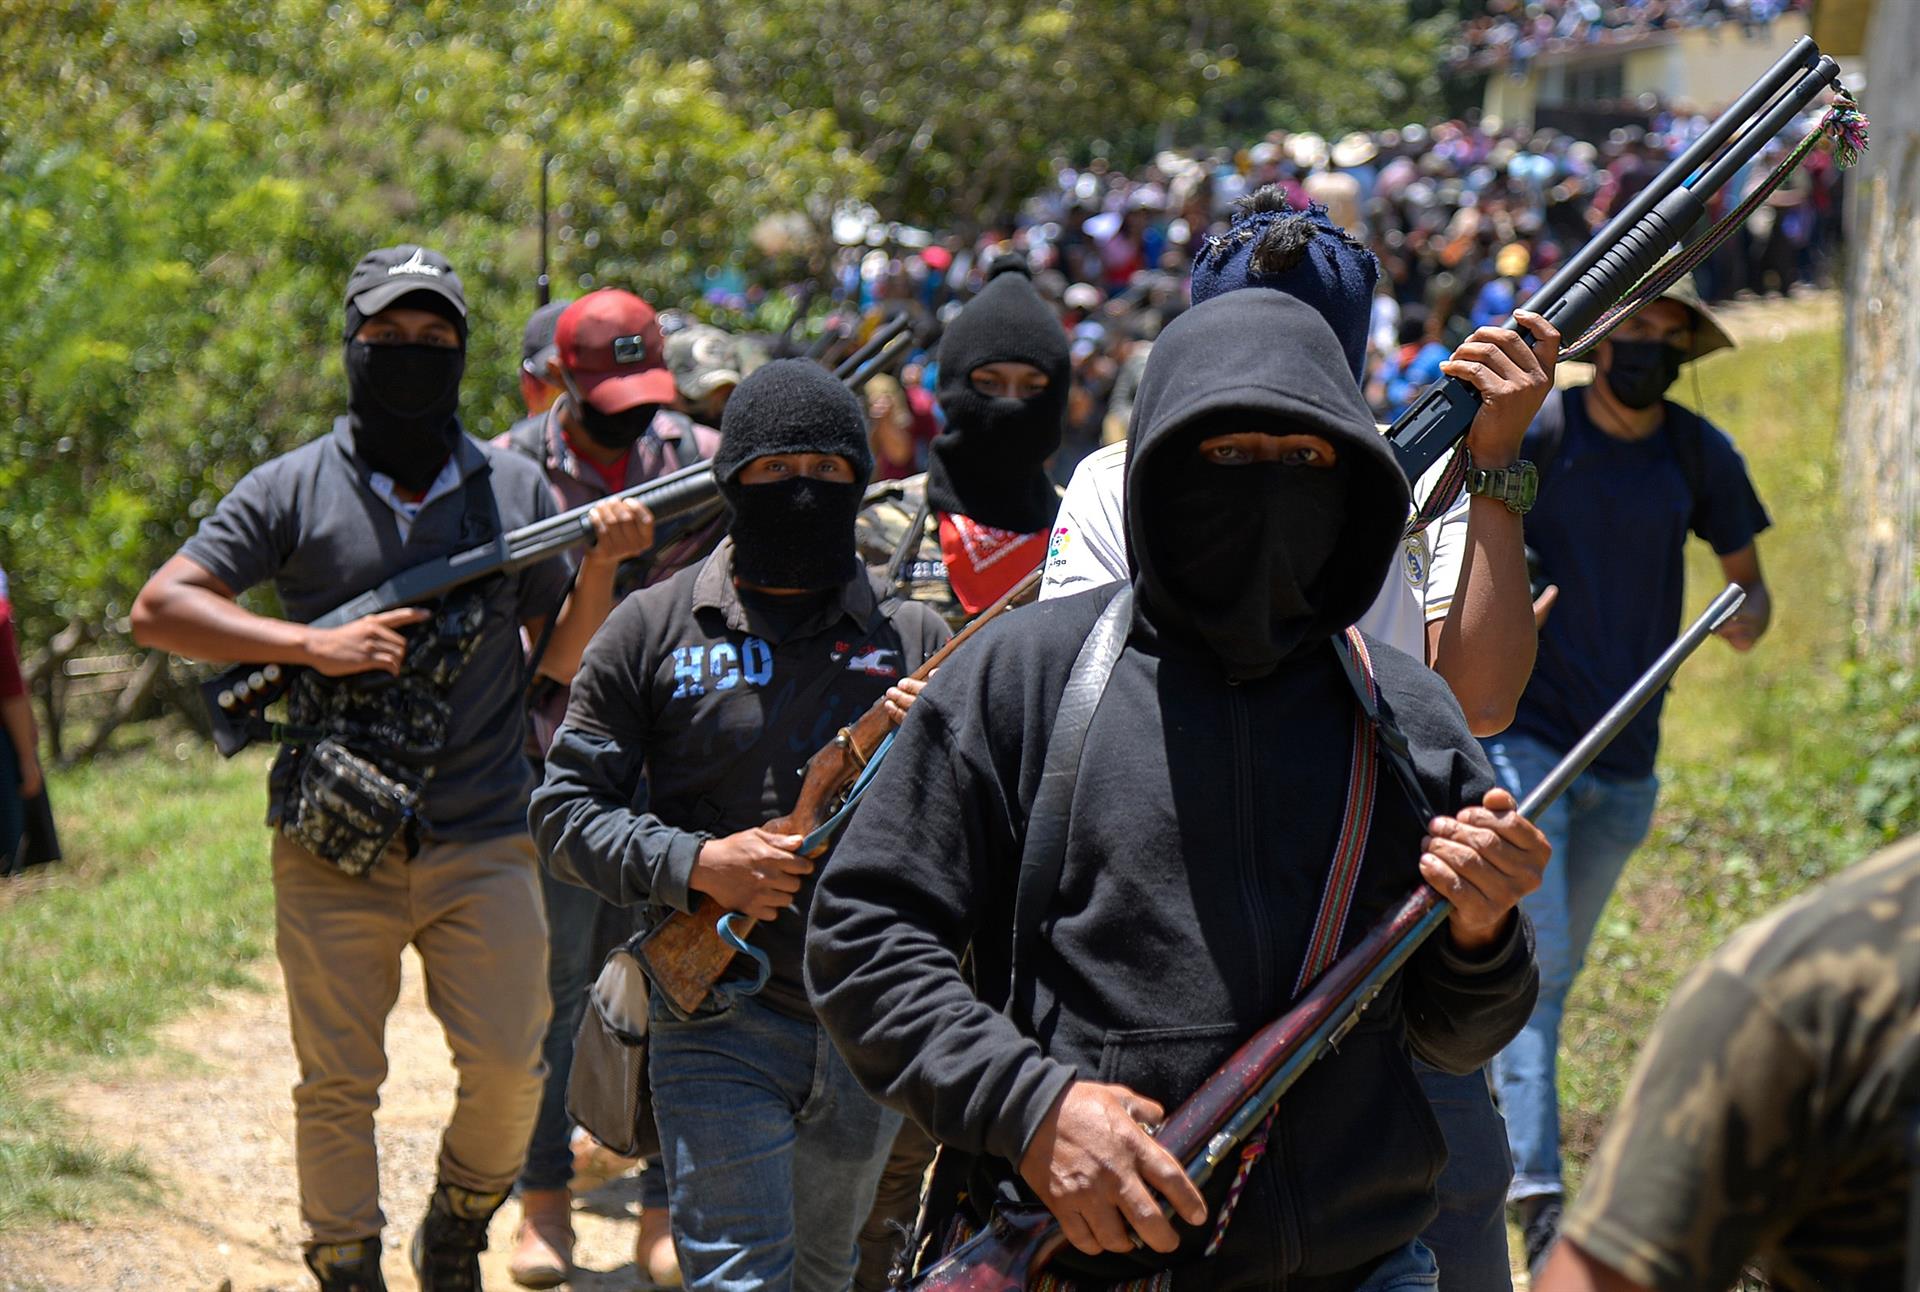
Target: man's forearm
{"x":1486,"y":643}
{"x":587,"y":607}
{"x":202,"y":624}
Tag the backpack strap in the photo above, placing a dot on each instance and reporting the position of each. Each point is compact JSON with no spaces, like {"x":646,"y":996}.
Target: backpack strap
{"x":1045,"y":851}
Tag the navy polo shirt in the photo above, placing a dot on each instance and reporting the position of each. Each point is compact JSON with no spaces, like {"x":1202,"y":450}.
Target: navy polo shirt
{"x":1610,"y":525}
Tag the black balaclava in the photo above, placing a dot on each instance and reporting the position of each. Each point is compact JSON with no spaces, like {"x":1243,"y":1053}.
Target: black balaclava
{"x":989,"y":462}
{"x":1256,"y":564}
{"x":1244,"y":545}
{"x":1639,"y":373}
{"x":402,"y":399}
{"x":792,"y":533}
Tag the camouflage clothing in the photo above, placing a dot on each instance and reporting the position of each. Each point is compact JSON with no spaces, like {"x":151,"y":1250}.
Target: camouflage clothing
{"x":1771,"y":1114}
{"x":884,"y":523}
{"x":882,"y":530}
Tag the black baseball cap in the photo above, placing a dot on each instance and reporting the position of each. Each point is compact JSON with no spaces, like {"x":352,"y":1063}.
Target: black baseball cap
{"x":384,"y":276}
{"x":536,"y":344}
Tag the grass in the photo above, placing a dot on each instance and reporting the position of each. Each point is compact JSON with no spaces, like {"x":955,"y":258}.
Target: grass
{"x":1761,"y":754}
{"x":164,"y":897}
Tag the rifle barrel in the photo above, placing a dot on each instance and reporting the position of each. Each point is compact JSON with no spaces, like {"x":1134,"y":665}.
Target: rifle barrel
{"x":1203,"y":1131}
{"x":874,"y":366}
{"x":1802,"y":55}
{"x":892,"y":328}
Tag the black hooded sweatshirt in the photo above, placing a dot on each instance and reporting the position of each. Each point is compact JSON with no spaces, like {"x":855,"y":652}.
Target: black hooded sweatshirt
{"x":1203,"y":824}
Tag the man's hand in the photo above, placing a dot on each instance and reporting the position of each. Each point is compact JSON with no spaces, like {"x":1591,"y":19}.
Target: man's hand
{"x":1543,"y":605}
{"x":1513,"y":380}
{"x":1483,"y":860}
{"x":754,"y":872}
{"x":1102,"y":1176}
{"x":901,"y":695}
{"x":369,"y":644}
{"x":622,"y":529}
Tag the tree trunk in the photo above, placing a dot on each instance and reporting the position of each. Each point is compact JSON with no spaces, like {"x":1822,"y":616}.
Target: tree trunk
{"x":1881,"y":424}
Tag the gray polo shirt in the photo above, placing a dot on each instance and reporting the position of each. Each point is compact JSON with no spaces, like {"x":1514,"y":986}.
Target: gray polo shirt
{"x":311,"y":522}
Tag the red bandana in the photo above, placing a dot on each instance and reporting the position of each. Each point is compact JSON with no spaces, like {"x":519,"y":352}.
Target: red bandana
{"x":983,"y":563}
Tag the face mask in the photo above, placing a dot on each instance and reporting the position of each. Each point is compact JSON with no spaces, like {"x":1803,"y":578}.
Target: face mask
{"x":793,"y":533}
{"x":1640,"y":372}
{"x":1015,"y":432}
{"x":401,"y":401}
{"x":1235,"y":552}
{"x":616,"y":431}
{"x":987,"y":464}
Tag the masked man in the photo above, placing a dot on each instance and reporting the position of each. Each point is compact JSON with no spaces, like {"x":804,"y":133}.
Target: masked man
{"x":1457,"y":598}
{"x":1210,"y":852}
{"x":960,"y":536}
{"x":1625,"y":475}
{"x":427,"y":710}
{"x":976,"y":523}
{"x":610,"y":429}
{"x":689,"y":723}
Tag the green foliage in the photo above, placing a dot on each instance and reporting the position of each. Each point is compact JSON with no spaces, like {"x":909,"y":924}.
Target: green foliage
{"x":1765,"y":757}
{"x":185,"y":185}
{"x":165,"y":895}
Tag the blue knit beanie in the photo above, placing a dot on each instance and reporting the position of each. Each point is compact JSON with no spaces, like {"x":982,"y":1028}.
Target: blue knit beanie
{"x":1302,"y":253}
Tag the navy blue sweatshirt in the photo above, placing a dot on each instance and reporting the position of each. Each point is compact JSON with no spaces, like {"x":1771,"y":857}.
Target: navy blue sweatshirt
{"x":1203,"y":825}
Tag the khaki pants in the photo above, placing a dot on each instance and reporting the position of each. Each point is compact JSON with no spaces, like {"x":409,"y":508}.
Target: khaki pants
{"x":473,"y":911}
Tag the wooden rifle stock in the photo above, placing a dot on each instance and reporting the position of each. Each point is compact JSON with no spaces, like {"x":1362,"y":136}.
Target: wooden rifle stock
{"x":1204,"y":1131}
{"x":685,"y":954}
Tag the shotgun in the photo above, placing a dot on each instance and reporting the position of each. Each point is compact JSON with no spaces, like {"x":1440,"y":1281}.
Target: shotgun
{"x":236,"y":699}
{"x":685,"y":954}
{"x":1633,"y":242}
{"x":1203,"y":1132}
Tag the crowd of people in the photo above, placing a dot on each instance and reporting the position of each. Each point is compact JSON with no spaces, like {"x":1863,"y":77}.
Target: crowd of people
{"x":1466,"y":218}
{"x":1271,"y":686}
{"x":1512,"y":33}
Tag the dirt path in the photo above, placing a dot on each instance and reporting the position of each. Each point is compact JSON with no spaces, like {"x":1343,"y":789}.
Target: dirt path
{"x":213,"y":1118}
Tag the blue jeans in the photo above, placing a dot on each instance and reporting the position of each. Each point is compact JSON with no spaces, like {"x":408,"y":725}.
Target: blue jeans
{"x":571,"y":912}
{"x":1468,"y":1238}
{"x":772,"y":1151}
{"x":574,"y":938}
{"x":1594,"y":827}
{"x":1411,"y":1269}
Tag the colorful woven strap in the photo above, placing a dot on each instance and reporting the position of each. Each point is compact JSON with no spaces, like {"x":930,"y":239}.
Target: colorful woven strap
{"x":1363,"y":776}
{"x":1250,"y":1153}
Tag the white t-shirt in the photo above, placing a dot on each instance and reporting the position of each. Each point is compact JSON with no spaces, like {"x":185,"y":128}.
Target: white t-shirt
{"x":1088,"y":548}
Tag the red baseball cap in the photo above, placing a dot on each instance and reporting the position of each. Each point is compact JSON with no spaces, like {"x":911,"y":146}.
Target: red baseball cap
{"x":609,"y":342}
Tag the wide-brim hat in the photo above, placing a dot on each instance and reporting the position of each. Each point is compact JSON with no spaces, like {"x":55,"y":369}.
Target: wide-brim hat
{"x":1709,"y":334}
{"x":1355,"y":149}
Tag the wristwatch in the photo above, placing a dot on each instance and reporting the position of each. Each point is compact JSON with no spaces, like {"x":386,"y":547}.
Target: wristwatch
{"x":1516,"y":486}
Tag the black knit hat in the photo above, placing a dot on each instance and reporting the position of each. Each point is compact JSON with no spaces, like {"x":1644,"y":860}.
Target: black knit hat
{"x":791,"y":406}
{"x":1007,"y":322}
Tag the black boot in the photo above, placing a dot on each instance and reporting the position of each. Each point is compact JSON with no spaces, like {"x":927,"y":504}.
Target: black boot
{"x":347,"y":1267}
{"x":447,"y":1246}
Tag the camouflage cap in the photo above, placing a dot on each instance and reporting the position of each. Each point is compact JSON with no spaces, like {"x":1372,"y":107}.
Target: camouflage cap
{"x":703,"y":358}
